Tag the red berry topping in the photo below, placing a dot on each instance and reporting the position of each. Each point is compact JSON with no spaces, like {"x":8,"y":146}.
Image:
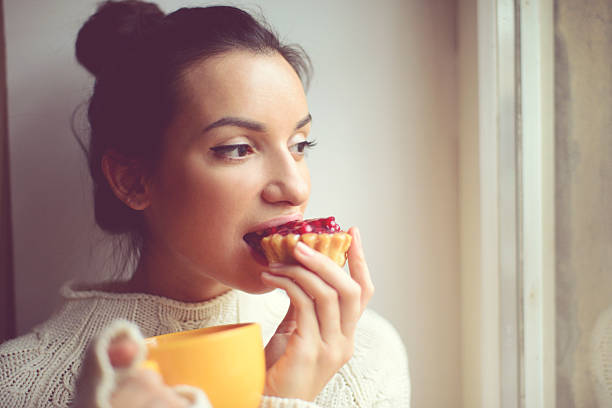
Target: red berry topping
{"x":316,"y":225}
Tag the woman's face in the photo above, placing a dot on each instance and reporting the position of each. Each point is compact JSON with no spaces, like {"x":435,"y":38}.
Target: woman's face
{"x":233,"y":163}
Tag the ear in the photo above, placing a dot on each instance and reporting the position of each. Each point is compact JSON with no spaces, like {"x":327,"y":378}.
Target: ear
{"x":127,"y":179}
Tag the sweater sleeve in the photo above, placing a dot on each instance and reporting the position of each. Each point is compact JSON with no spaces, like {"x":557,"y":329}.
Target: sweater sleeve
{"x":377,"y":374}
{"x":393,"y":382}
{"x":375,"y":377}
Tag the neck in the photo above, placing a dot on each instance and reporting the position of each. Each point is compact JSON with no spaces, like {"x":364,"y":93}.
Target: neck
{"x":164,"y":274}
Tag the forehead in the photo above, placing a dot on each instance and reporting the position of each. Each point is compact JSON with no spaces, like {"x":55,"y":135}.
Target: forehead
{"x":244,"y":83}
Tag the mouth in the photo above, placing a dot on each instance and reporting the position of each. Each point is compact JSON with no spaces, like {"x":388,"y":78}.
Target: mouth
{"x":254,"y":241}
{"x":258,"y":255}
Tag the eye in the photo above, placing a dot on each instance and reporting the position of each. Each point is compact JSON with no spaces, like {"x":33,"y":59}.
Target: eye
{"x":233,"y":151}
{"x":299,"y":148}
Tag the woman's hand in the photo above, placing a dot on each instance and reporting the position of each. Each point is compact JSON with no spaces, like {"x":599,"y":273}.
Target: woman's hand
{"x":111,"y":375}
{"x":139,"y":387}
{"x":316,"y":338}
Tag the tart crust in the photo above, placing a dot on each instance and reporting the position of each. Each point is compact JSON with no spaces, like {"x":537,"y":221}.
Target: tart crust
{"x":279,"y":248}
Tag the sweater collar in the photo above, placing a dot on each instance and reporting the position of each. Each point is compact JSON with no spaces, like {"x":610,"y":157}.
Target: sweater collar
{"x":231,"y":307}
{"x":180,"y":315}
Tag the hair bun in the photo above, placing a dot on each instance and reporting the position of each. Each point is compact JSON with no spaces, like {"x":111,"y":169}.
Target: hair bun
{"x":113,"y":32}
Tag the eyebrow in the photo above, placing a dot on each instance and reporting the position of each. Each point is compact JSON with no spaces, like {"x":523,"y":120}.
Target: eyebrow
{"x":303,"y":122}
{"x":249,"y":124}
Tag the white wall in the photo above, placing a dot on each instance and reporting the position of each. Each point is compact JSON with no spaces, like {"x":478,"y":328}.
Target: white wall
{"x":469,"y":204}
{"x":384,"y":106}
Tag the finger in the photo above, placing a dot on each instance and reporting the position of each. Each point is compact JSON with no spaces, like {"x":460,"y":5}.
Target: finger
{"x":122,"y":351}
{"x":142,"y":378}
{"x":139,"y":392}
{"x":305,"y":316}
{"x":347,"y":290}
{"x":135,"y":388}
{"x":325,"y":298}
{"x":288,"y":321}
{"x":359,"y":267}
{"x":195,"y":396}
{"x":166,"y":397}
{"x":146,"y":388}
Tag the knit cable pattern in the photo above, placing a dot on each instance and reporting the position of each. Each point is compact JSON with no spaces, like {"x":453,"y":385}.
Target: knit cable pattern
{"x":40,"y":368}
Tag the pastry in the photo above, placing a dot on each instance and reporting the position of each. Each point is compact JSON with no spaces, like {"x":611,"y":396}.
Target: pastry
{"x":322,"y":234}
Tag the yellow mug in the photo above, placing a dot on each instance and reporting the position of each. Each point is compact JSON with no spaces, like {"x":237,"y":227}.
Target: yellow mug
{"x":227,"y":362}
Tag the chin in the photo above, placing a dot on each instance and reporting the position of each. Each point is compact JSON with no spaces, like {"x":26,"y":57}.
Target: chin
{"x":248,"y":276}
{"x":254,"y":286}
{"x":259,"y":290}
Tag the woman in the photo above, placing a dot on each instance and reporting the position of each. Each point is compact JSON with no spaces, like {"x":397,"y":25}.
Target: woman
{"x":199,"y":125}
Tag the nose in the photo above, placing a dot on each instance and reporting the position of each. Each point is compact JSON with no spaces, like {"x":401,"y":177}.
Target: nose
{"x":288,"y":181}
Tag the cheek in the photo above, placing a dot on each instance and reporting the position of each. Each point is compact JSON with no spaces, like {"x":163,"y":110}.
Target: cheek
{"x":305,"y":172}
{"x":196,"y":203}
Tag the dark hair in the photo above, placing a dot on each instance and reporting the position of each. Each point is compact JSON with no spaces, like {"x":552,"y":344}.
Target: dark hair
{"x":138,"y":54}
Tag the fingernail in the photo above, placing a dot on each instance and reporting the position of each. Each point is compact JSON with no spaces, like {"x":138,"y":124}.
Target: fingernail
{"x":304,"y":249}
{"x":358,"y":236}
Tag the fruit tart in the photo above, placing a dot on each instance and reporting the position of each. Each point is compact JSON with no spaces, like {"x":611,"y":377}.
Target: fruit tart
{"x":321,"y":234}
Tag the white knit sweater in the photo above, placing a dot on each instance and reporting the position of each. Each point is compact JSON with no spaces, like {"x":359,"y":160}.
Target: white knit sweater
{"x":40,"y":369}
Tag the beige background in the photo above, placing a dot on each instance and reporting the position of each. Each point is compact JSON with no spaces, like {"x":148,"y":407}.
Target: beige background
{"x":583,"y":76}
{"x":469,"y":204}
{"x":385,"y":106}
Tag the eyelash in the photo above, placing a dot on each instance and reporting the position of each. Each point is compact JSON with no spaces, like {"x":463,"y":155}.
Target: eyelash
{"x":306,"y":144}
{"x":243,"y":149}
{"x":222,"y":151}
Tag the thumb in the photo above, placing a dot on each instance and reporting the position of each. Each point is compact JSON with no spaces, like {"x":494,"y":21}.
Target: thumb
{"x":122,"y":351}
{"x":97,"y":375}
